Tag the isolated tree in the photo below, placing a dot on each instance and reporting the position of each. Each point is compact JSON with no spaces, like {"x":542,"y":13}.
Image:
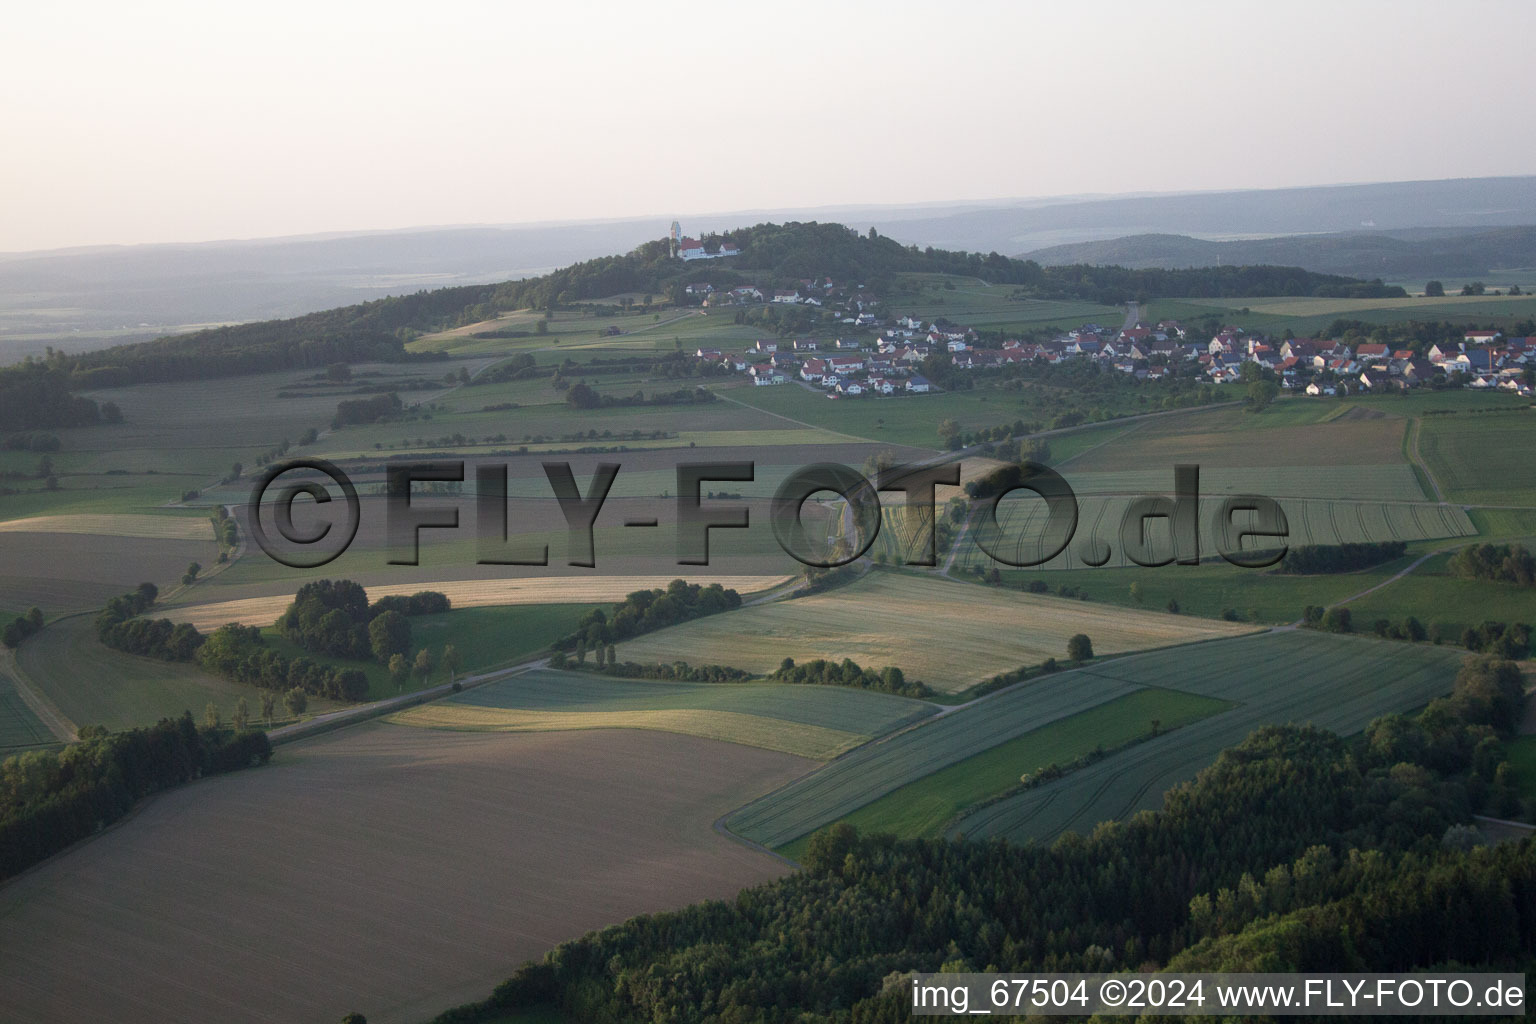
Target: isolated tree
{"x":1157,"y":725}
{"x":581,"y":650}
{"x":948,"y":428}
{"x":613,"y":655}
{"x":389,"y":635}
{"x":110,"y":413}
{"x":242,"y":716}
{"x":399,"y":670}
{"x":423,"y":665}
{"x":296,"y":701}
{"x":1260,"y":394}
{"x":600,"y":655}
{"x":1080,"y":648}
{"x":35,"y":618}
{"x":191,"y":574}
{"x":268,"y":706}
{"x":52,"y":483}
{"x":211,"y":715}
{"x":354,"y":1018}
{"x":451,"y":660}
{"x":1173,"y":605}
{"x":1475,"y":288}
{"x":1136,"y":592}
{"x":235,"y":471}
{"x":1434,"y":289}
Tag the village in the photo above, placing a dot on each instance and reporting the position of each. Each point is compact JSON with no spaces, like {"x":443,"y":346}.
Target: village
{"x":888,"y":360}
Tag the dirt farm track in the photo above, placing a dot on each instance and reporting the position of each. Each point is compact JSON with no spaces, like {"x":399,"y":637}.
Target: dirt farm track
{"x":390,"y":870}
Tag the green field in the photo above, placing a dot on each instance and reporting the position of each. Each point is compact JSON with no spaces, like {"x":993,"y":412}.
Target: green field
{"x":1482,"y":459}
{"x":811,"y":721}
{"x":1445,"y":603}
{"x":94,"y":685}
{"x":485,"y":639}
{"x":20,"y":729}
{"x":1335,"y":683}
{"x":922,"y":808}
{"x":1339,"y":683}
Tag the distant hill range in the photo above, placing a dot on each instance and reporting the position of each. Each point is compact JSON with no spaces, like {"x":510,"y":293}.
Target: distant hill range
{"x":81,"y":299}
{"x":1391,"y":255}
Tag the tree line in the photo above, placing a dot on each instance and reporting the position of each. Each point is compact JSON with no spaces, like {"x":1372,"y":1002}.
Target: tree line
{"x":1317,"y":559}
{"x":645,"y":610}
{"x":1296,"y":850}
{"x":50,"y":799}
{"x":583,"y":396}
{"x":821,"y":672}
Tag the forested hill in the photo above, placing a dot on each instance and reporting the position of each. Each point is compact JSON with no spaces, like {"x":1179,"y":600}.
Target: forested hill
{"x":773,"y":255}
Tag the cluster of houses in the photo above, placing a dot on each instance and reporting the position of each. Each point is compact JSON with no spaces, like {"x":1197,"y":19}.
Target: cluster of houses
{"x":847,"y":367}
{"x":854,"y":305}
{"x":887,"y":364}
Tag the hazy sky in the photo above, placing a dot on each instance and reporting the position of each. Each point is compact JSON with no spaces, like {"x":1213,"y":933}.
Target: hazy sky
{"x":150,"y":121}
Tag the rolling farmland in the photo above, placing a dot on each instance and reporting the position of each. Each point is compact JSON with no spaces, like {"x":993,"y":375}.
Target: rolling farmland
{"x":263,"y":611}
{"x":922,"y":808}
{"x":1335,"y":682}
{"x":946,"y":634}
{"x":395,"y":871}
{"x":817,"y":722}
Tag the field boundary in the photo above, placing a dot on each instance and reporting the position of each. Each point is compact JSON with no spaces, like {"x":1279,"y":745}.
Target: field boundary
{"x":46,"y":711}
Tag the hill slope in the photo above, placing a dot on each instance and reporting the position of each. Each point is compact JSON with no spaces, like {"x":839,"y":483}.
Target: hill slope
{"x":1424,"y":252}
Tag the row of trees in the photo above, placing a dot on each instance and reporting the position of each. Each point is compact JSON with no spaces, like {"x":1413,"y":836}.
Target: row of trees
{"x":848,"y":672}
{"x":1297,"y":850}
{"x":645,"y":610}
{"x":1316,"y":559}
{"x":584,"y":396}
{"x":50,"y":799}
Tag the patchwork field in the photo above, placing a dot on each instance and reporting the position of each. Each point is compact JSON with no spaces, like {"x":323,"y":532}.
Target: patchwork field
{"x":388,"y":870}
{"x":263,"y":611}
{"x":817,"y":722}
{"x":946,"y":634}
{"x":922,"y":808}
{"x":1338,"y":683}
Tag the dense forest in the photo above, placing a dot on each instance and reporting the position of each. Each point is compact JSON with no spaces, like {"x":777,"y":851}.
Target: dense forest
{"x":1297,"y":850}
{"x":37,"y":395}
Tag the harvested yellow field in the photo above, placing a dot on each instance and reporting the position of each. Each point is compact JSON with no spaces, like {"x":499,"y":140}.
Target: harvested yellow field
{"x":263,"y":611}
{"x":949,"y":635}
{"x":812,"y":741}
{"x":143,"y":527}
